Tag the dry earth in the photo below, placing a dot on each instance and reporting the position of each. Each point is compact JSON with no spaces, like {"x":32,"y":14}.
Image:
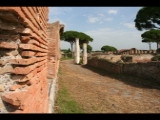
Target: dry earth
{"x":99,"y":92}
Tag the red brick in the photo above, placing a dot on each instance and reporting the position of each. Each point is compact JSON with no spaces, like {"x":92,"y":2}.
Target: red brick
{"x":34,"y":42}
{"x":27,"y":53}
{"x":6,"y":69}
{"x":23,"y":18}
{"x":27,"y":69}
{"x":11,"y":26}
{"x":41,"y":54}
{"x":8,"y":45}
{"x":34,"y":14}
{"x":33,"y":69}
{"x":25,"y":39}
{"x":35,"y":36}
{"x":28,"y":76}
{"x":26,"y":61}
{"x":34,"y":25}
{"x":23,"y":61}
{"x":14,"y":98}
{"x":31,"y":47}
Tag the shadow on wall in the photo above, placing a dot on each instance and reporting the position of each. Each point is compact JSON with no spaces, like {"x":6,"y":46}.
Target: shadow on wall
{"x":127,"y":79}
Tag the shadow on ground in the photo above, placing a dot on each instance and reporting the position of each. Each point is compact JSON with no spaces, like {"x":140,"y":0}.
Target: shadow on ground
{"x":127,"y":79}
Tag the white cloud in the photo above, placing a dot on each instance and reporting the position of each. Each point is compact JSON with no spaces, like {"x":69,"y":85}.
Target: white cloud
{"x":99,"y":18}
{"x":129,"y":25}
{"x":112,"y":12}
{"x":93,"y":19}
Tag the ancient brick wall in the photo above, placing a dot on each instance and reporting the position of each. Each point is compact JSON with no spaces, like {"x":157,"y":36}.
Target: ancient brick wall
{"x":147,"y":70}
{"x":54,"y":31}
{"x":23,"y":59}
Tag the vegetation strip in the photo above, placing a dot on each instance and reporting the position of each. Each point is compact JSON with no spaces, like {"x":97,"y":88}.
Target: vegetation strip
{"x":64,"y":102}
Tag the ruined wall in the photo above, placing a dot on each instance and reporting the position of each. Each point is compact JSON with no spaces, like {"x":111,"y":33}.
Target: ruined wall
{"x":54,"y":31}
{"x":104,"y":64}
{"x":23,"y":59}
{"x":148,"y":70}
{"x":137,"y":58}
{"x":134,"y":51}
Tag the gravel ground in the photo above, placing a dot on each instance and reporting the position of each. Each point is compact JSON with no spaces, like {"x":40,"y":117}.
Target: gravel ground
{"x":100,"y":92}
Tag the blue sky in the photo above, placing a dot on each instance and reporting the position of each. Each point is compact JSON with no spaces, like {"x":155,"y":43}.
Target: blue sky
{"x":112,"y":26}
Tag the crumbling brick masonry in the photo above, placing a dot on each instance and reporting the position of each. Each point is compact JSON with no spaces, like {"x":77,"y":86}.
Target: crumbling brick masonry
{"x":23,"y":59}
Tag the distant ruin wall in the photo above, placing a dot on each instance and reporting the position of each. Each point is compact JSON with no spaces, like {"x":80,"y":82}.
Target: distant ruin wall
{"x":147,"y":70}
{"x":23,"y":59}
{"x":134,"y":51}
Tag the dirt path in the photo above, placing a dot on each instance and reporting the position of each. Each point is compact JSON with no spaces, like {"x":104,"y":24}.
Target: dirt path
{"x":99,"y":92}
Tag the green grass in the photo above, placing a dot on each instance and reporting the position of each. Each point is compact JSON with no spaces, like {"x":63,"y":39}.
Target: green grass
{"x":64,"y":102}
{"x":68,"y":58}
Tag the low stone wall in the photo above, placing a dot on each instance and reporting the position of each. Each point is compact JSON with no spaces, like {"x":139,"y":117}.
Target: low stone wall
{"x":147,"y":70}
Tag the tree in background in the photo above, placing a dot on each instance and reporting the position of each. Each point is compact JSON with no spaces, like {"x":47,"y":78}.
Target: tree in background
{"x":69,"y":36}
{"x":66,"y":50}
{"x":151,"y":36}
{"x":89,"y":48}
{"x":148,"y":18}
{"x":108,"y":48}
{"x":149,"y":41}
{"x":84,"y":38}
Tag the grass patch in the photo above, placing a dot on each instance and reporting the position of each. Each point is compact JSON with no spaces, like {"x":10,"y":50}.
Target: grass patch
{"x":64,"y":103}
{"x":68,"y":58}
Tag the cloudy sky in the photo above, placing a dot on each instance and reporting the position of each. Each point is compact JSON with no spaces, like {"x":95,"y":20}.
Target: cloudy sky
{"x":112,"y":26}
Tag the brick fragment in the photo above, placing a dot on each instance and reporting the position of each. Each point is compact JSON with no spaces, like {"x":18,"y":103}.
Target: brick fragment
{"x":6,"y":69}
{"x":14,"y":98}
{"x":8,"y":45}
{"x":28,"y":53}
